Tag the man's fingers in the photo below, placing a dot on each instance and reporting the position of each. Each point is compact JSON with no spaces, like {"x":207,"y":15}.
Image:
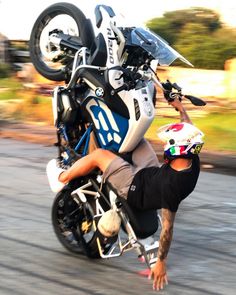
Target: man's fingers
{"x":159,"y":283}
{"x":162,"y":282}
{"x":155,"y":286}
{"x":155,"y":281}
{"x":166,"y":280}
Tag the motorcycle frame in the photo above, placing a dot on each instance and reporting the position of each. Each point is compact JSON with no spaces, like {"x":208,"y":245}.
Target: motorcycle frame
{"x":147,"y":253}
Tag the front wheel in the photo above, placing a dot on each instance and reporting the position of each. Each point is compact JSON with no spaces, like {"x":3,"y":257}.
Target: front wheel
{"x":68,"y":19}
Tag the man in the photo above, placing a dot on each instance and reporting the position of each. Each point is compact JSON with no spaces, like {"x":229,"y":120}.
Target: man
{"x":143,"y":183}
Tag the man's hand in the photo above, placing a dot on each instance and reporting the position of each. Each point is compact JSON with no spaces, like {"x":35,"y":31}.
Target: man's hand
{"x":179,"y":107}
{"x":177,"y":104}
{"x":159,"y":275}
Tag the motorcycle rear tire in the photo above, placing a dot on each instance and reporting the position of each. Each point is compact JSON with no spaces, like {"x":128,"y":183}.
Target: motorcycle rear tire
{"x":86,"y":36}
{"x":75,"y":241}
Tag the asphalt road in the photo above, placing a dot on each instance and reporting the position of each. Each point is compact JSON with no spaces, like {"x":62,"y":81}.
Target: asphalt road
{"x":201,"y":261}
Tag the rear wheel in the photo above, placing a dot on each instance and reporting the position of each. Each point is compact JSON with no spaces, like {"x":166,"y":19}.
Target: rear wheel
{"x":73,"y":225}
{"x":66,"y":18}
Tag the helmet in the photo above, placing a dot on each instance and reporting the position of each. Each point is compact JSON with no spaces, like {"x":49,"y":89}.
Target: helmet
{"x":181,"y":140}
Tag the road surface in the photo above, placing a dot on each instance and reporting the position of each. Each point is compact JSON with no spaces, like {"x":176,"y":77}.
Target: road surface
{"x":32,"y":262}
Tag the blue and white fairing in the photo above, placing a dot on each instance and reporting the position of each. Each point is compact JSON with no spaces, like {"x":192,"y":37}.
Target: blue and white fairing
{"x":110,"y":127}
{"x":115,"y":132}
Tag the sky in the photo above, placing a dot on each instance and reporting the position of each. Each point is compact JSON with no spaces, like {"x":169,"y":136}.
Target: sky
{"x":17,"y":16}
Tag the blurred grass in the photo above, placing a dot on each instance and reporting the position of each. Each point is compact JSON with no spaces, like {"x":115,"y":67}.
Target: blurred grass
{"x":34,"y":108}
{"x":22,"y":104}
{"x":10,"y":89}
{"x":10,"y":83}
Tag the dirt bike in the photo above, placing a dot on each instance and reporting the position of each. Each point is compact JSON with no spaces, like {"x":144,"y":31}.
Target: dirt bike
{"x":107,"y":101}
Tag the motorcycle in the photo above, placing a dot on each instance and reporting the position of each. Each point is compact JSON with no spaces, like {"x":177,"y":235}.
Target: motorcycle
{"x":108,"y":101}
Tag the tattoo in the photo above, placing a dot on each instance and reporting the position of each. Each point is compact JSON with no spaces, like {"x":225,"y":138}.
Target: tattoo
{"x":166,"y":233}
{"x":184,"y":117}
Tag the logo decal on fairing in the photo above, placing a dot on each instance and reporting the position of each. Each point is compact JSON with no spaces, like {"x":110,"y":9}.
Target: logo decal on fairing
{"x":110,"y":46}
{"x":99,"y":92}
{"x":111,"y":128}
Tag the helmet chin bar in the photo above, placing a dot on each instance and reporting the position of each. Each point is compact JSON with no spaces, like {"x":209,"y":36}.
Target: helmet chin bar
{"x":189,"y":152}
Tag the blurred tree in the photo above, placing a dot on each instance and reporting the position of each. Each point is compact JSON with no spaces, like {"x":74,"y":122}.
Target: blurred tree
{"x":205,"y":50}
{"x":172,"y":23}
{"x":4,"y":70}
{"x":198,"y":34}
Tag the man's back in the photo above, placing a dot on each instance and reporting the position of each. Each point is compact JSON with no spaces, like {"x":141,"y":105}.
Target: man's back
{"x":163,"y":187}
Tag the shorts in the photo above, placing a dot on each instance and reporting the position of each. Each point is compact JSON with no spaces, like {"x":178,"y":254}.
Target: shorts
{"x":120,"y":175}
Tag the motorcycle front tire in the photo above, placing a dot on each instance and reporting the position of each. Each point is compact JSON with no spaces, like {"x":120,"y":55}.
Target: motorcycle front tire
{"x":86,"y":36}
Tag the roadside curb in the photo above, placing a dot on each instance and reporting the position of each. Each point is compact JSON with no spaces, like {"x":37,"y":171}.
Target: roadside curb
{"x":46,"y":135}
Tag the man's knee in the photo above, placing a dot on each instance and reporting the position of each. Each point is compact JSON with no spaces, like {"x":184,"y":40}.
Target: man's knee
{"x":102,"y":158}
{"x":102,"y":153}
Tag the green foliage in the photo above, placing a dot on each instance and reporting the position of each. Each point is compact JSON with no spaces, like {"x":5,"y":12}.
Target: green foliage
{"x":10,"y":89}
{"x":10,"y":83}
{"x":4,"y":70}
{"x":199,"y":35}
{"x":172,"y":23}
{"x":7,"y":94}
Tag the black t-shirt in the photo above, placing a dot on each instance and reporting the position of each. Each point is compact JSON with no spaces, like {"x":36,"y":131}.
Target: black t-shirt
{"x":164,"y":187}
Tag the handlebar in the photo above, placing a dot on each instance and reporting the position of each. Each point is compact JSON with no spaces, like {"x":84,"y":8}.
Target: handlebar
{"x":130,"y":80}
{"x":125,"y":86}
{"x":172,"y":95}
{"x":195,"y":100}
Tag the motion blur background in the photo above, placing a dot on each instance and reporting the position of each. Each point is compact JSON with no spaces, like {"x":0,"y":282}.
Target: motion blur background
{"x":202,"y":257}
{"x":204,"y":32}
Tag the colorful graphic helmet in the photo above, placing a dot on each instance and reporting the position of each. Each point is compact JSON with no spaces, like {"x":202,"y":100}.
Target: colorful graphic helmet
{"x":181,"y":140}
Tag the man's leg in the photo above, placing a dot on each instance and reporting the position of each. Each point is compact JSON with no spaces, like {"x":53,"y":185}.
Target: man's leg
{"x":144,"y":155}
{"x":99,"y":158}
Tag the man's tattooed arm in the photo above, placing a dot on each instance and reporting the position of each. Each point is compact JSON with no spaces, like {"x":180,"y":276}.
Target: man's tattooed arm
{"x":168,"y":218}
{"x":184,"y":116}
